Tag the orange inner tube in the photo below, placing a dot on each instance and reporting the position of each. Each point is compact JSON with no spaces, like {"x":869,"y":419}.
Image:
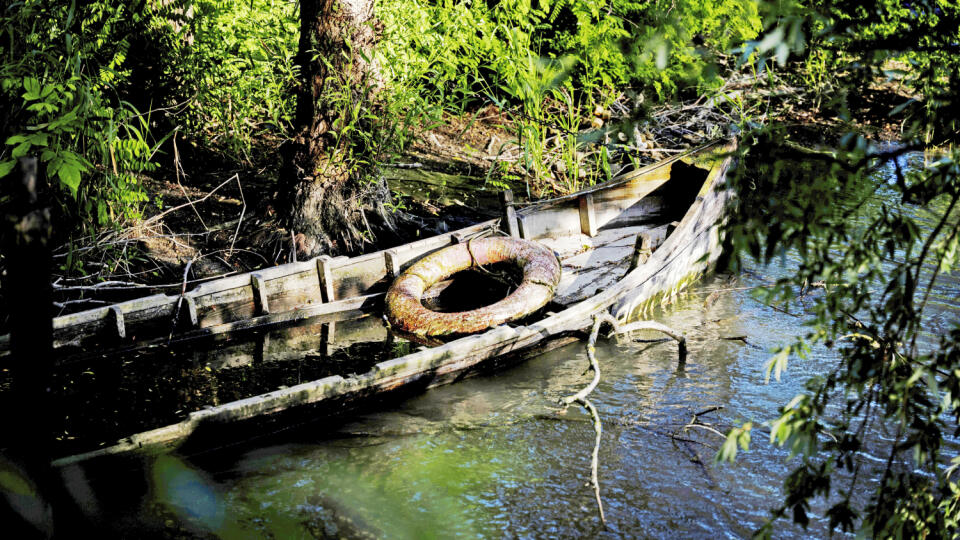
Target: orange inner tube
{"x":541,"y":274}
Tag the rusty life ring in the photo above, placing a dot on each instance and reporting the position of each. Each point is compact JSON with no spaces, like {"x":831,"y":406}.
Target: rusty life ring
{"x":541,"y":274}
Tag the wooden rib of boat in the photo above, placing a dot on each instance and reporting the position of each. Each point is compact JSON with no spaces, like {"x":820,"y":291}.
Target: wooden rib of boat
{"x":622,"y":245}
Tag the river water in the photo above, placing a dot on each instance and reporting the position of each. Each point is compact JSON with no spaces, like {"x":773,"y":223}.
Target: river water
{"x":493,"y":456}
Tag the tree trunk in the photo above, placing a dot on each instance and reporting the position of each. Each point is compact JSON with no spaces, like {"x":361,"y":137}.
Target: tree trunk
{"x":328,"y":181}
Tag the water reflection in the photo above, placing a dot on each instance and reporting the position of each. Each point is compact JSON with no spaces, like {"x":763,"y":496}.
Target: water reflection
{"x":491,"y":456}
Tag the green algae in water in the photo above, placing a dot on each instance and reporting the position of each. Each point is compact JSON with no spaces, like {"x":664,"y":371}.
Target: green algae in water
{"x":420,"y":487}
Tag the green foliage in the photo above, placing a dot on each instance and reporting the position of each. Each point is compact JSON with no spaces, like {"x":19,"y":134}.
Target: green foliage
{"x":57,"y":93}
{"x":238,"y":74}
{"x":663,"y":46}
{"x":682,"y":42}
{"x":878,"y":259}
{"x":538,"y":61}
{"x":737,"y":439}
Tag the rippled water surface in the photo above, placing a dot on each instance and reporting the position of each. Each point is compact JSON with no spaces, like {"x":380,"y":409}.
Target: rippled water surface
{"x":493,"y":456}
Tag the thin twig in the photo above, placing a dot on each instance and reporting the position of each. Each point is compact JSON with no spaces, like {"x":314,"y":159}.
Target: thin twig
{"x":112,"y":284}
{"x":183,"y":293}
{"x":653,"y":325}
{"x":240,"y":221}
{"x":708,"y":410}
{"x":161,"y":215}
{"x":581,"y":398}
{"x":65,"y":303}
{"x":595,"y":460}
{"x":703,"y":426}
{"x":591,"y":348}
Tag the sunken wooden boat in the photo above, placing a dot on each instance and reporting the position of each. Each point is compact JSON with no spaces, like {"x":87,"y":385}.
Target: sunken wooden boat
{"x":623,"y":246}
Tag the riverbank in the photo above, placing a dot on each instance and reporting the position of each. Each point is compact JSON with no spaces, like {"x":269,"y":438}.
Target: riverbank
{"x":219,"y":219}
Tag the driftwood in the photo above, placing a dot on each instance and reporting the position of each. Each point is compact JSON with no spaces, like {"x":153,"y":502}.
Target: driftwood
{"x":659,"y":327}
{"x":581,"y":398}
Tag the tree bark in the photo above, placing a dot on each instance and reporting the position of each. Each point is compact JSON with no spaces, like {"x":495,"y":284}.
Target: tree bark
{"x":328,"y":181}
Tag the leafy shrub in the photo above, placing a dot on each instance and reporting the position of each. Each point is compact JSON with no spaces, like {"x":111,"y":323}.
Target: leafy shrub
{"x":465,"y":47}
{"x":58,"y":83}
{"x":238,"y":73}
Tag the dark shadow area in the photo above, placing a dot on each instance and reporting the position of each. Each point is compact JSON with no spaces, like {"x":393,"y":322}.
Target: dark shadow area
{"x":474,"y":288}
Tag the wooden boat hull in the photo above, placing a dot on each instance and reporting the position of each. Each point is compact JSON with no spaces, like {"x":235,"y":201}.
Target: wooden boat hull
{"x":666,"y":254}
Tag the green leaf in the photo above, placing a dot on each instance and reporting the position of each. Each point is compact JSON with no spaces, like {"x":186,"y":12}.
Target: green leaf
{"x":6,"y":167}
{"x":777,"y":364}
{"x":32,"y":87}
{"x":739,"y":437}
{"x":728,"y":450}
{"x":21,"y":150}
{"x":69,"y":174}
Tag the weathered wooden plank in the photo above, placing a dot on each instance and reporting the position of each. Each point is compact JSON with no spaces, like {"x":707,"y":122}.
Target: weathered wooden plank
{"x":119,"y":327}
{"x":588,"y":218}
{"x":328,"y":335}
{"x":357,"y":302}
{"x":508,"y":221}
{"x":392,"y":262}
{"x":90,"y":327}
{"x":191,"y":307}
{"x":524,"y":228}
{"x":260,"y":300}
{"x":325,"y":274}
{"x":226,"y":306}
{"x":556,"y":221}
{"x":361,"y":277}
{"x":642,"y":250}
{"x":359,"y":330}
{"x":237,"y":410}
{"x":616,"y":203}
{"x":295,"y":290}
{"x":649,"y":210}
{"x":128,"y":307}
